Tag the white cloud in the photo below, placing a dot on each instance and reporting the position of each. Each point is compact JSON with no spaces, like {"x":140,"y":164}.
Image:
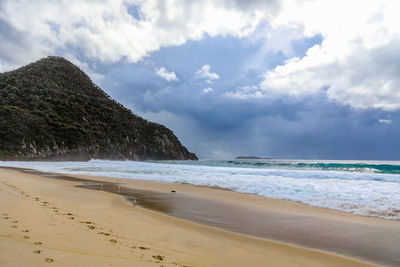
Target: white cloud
{"x":245,"y":92}
{"x":106,"y":31}
{"x":208,"y":90}
{"x":385,"y":121}
{"x":204,"y":73}
{"x":166,"y":75}
{"x":356,"y":64}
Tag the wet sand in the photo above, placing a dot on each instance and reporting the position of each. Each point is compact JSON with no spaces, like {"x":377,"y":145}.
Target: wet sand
{"x":370,"y":239}
{"x":373,"y":239}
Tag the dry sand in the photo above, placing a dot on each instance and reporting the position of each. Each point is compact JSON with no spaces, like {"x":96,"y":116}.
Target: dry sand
{"x":47,"y":221}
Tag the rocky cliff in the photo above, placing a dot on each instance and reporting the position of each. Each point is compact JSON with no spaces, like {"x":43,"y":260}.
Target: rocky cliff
{"x":50,"y":109}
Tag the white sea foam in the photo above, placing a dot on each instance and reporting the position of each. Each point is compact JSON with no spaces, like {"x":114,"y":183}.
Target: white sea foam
{"x":363,"y":192}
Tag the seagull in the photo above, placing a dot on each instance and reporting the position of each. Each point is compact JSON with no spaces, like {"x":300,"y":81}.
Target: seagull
{"x":134,"y":202}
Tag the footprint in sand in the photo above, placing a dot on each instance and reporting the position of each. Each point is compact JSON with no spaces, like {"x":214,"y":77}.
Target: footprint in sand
{"x":143,"y":248}
{"x":25,"y":231}
{"x":6,"y":218}
{"x":26,"y":237}
{"x":38,"y":243}
{"x":113,"y":241}
{"x":15,"y":221}
{"x":38,"y":251}
{"x":158,"y":257}
{"x":48,"y":260}
{"x":91,"y":227}
{"x":14,"y":226}
{"x":104,"y":233}
{"x":86,"y":222}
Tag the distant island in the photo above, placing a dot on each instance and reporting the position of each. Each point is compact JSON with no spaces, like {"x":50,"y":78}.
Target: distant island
{"x":51,"y":110}
{"x":250,"y":157}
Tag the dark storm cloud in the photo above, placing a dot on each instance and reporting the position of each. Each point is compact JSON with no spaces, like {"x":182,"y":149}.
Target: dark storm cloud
{"x":213,"y":125}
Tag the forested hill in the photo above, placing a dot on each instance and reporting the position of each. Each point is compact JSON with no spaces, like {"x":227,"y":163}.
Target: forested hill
{"x":50,"y":109}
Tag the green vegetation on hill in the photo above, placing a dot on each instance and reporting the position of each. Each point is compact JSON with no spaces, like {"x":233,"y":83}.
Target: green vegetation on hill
{"x":50,"y":109}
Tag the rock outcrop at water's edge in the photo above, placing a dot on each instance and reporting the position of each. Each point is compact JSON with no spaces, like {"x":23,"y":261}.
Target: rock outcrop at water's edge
{"x":51,"y":110}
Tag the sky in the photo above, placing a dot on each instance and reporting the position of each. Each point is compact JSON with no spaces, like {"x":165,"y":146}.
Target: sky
{"x":306,"y":79}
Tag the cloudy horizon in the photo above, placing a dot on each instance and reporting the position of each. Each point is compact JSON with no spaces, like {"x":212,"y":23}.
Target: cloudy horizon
{"x":287,"y":79}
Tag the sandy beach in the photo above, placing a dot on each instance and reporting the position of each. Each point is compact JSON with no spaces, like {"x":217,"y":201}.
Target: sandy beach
{"x":52,"y":221}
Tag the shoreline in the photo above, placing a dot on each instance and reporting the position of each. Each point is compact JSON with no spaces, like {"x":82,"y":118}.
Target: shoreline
{"x":346,"y":189}
{"x":296,"y":223}
{"x":86,"y":177}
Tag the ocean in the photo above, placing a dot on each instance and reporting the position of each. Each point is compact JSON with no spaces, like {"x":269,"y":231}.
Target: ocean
{"x":368,"y":188}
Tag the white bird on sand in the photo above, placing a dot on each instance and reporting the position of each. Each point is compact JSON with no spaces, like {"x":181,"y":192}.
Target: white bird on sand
{"x":134,"y":202}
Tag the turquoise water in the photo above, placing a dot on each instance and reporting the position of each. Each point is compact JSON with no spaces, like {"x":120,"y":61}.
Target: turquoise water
{"x":389,"y":167}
